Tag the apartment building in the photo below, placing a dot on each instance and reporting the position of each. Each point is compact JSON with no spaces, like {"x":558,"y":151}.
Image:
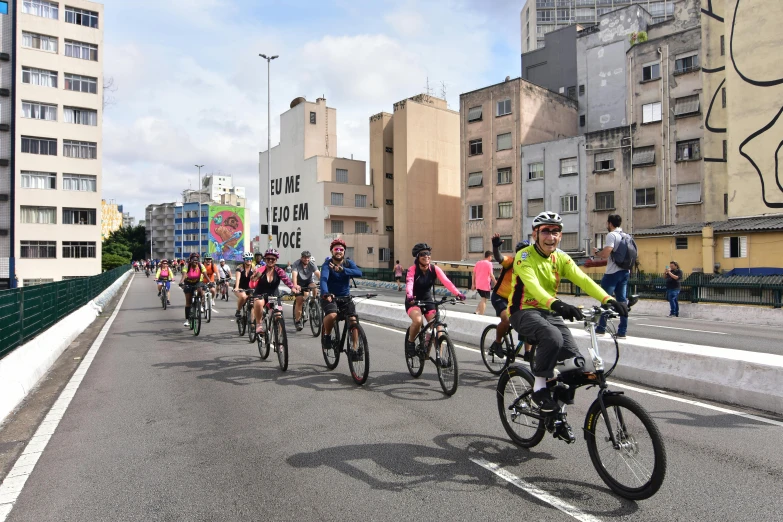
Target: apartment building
{"x":414,"y":167}
{"x":219,"y":189}
{"x":160,"y":229}
{"x":56,"y":88}
{"x":495,"y":122}
{"x":315,"y":196}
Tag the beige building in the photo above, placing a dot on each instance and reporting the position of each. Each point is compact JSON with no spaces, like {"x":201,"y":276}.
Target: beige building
{"x":495,"y":122}
{"x":111,"y":218}
{"x":414,"y":165}
{"x":57,"y":160}
{"x":316,"y":197}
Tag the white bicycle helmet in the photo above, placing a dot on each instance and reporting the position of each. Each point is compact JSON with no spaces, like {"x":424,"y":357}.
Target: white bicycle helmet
{"x":247,"y":256}
{"x":547,"y":218}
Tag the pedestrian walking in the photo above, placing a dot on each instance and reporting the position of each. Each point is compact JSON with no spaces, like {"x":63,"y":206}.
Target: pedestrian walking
{"x":615,"y":280}
{"x":483,"y":281}
{"x":398,"y":275}
{"x":673,"y":276}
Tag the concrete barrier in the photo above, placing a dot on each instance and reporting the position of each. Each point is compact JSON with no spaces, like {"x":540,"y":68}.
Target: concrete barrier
{"x":725,"y":375}
{"x":22,"y":369}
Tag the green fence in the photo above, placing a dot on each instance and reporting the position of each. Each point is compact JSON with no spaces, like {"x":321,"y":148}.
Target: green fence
{"x":26,"y":312}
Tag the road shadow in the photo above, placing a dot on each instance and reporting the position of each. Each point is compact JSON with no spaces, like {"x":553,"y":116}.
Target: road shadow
{"x":695,"y":420}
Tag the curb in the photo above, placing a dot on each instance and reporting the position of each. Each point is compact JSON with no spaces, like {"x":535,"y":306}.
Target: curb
{"x":23,"y":368}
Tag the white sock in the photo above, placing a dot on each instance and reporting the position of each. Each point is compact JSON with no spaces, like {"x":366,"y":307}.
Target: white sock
{"x":539,"y":384}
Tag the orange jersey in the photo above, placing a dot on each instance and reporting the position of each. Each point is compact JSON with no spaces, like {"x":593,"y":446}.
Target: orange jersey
{"x":210,"y":272}
{"x":503,"y":285}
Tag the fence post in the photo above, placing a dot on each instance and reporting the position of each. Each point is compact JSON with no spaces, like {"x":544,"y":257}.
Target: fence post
{"x":777,"y":299}
{"x":21,"y":317}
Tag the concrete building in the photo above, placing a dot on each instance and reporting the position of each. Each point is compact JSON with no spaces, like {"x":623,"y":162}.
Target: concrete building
{"x":55,"y":84}
{"x":554,"y":175}
{"x":540,"y":17}
{"x":111,"y":218}
{"x":553,"y":66}
{"x":160,"y":229}
{"x":495,"y":122}
{"x":128,"y":221}
{"x":315,"y":196}
{"x":414,"y":165}
{"x":219,"y":189}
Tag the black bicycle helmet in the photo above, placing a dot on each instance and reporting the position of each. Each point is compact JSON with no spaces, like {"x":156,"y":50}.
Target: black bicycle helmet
{"x":521,"y":245}
{"x":420,"y":247}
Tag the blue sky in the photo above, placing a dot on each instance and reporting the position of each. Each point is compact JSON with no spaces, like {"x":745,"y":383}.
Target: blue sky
{"x":192,"y":89}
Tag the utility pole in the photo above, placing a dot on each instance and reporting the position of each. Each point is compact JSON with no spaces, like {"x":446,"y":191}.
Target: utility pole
{"x":268,"y":148}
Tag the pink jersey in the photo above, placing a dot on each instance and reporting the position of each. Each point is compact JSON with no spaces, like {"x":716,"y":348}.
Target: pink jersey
{"x":482,"y":273}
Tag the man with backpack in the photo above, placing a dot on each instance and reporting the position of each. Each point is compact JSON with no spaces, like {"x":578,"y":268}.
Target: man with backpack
{"x":620,"y":253}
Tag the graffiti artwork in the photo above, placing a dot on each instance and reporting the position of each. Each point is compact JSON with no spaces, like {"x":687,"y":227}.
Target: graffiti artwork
{"x":226,"y":232}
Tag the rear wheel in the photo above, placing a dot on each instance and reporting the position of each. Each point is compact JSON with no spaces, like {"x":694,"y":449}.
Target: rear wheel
{"x":448,"y":369}
{"x":332,"y":353}
{"x":241,"y":323}
{"x":314,"y":311}
{"x":523,"y":430}
{"x":196,"y":314}
{"x":494,"y":363}
{"x":358,"y":354}
{"x":415,"y":362}
{"x":281,"y":342}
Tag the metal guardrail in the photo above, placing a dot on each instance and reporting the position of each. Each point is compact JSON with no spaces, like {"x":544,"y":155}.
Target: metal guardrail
{"x":28,"y":311}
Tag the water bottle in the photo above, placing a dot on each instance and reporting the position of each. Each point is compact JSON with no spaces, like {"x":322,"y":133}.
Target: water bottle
{"x":570,"y":365}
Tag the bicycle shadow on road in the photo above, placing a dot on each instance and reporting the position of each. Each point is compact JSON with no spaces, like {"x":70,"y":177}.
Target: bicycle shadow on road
{"x":715,"y":420}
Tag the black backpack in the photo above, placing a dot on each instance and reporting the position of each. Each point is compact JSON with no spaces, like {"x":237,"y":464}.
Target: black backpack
{"x":625,"y":252}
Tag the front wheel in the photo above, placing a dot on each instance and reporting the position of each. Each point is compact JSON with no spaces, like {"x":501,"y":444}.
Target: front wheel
{"x":163,"y":297}
{"x":448,"y":368}
{"x":208,"y":308}
{"x":358,"y":354}
{"x":494,"y":363}
{"x":241,"y":324}
{"x":636,"y":468}
{"x":195,"y":320}
{"x":281,"y":342}
{"x":514,"y":391}
{"x":414,"y":362}
{"x":332,"y":353}
{"x":263,"y":341}
{"x":314,"y":311}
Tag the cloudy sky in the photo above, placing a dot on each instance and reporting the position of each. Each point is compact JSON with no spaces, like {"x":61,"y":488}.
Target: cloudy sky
{"x":191,"y":88}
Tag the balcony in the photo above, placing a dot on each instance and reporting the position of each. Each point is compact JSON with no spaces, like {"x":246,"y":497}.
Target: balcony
{"x":351,"y":212}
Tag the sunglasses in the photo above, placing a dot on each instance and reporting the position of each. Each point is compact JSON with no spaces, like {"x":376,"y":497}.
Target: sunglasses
{"x":338,"y":249}
{"x":550,"y":231}
{"x":271,"y":259}
{"x":424,"y":254}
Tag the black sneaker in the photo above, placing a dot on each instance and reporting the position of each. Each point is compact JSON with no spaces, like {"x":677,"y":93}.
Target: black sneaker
{"x":410,"y":348}
{"x":237,"y":314}
{"x":357,"y":355}
{"x":326,"y":342}
{"x":543,"y":398}
{"x":299,"y":325}
{"x":159,"y":296}
{"x":497,"y":350}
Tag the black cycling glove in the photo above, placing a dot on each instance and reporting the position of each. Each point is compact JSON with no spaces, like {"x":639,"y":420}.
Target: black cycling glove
{"x":617,"y":306}
{"x":496,"y":241}
{"x":567,"y":311}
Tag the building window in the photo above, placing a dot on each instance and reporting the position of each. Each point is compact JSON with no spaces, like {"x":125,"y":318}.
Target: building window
{"x":74,"y":82}
{"x":80,"y":149}
{"x":389,"y":228}
{"x":474,"y":114}
{"x":568,"y":167}
{"x":505,"y":210}
{"x":476,"y":244}
{"x":39,"y":180}
{"x":725,"y":150}
{"x":312,"y":118}
{"x":389,"y":150}
{"x":604,"y":161}
{"x":582,"y":120}
{"x":569,"y":241}
{"x":38,"y":250}
{"x":80,"y":116}
{"x":681,"y":243}
{"x":43,"y":146}
{"x":78,"y":249}
{"x":571,"y":92}
{"x":535,"y":171}
{"x":504,"y":176}
{"x":503,"y":107}
{"x":505,"y":244}
{"x":581,"y":90}
{"x":38,"y":215}
{"x":722,"y":46}
{"x":688,"y":193}
{"x":651,"y":112}
{"x":645,"y":197}
{"x":41,"y":8}
{"x":342,"y":176}
{"x":81,"y":17}
{"x":476,"y":212}
{"x":568,"y":204}
{"x":686,"y":105}
{"x":688,"y":150}
{"x":725,"y":203}
{"x":360,"y":201}
{"x":686,"y":64}
{"x":504,"y":141}
{"x":475,"y":147}
{"x":651,"y":71}
{"x":349,"y":252}
{"x":39,"y":111}
{"x":42,"y":77}
{"x":361,"y":227}
{"x":600,"y":241}
{"x":39,"y":41}
{"x":475,"y":179}
{"x":78,"y":216}
{"x":736,"y":246}
{"x":384,"y":254}
{"x":604,"y":200}
{"x":390,"y":202}
{"x":82,"y":50}
{"x":337,"y":199}
{"x":337,"y":227}
{"x":389,"y":175}
{"x":644,"y":156}
{"x":535,"y":207}
{"x":723,"y":97}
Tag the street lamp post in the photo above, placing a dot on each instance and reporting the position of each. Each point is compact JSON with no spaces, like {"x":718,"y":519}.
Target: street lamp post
{"x":268,"y":149}
{"x":199,"y":209}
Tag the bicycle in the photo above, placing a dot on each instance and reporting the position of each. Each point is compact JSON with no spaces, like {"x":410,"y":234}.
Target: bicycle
{"x":195,"y":306}
{"x":208,"y":299}
{"x":164,"y":294}
{"x":497,"y":362}
{"x":445,"y":360}
{"x":147,"y":271}
{"x":359,"y":356}
{"x":618,"y":430}
{"x":311,"y":311}
{"x":223,"y":288}
{"x":246,"y":316}
{"x":274,"y":322}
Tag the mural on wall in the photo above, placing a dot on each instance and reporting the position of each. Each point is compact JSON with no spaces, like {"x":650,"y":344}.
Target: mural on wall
{"x":226,"y":232}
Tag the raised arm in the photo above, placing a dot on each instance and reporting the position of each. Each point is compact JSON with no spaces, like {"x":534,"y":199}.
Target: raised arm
{"x":445,"y":281}
{"x":351,"y":270}
{"x":496,"y":242}
{"x":409,"y":282}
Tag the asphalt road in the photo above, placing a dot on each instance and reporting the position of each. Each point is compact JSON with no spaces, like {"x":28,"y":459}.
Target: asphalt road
{"x":168,"y":426}
{"x":721,"y":332}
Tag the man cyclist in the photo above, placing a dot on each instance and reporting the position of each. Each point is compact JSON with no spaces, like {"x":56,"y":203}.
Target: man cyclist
{"x":212,"y":275}
{"x":500,"y":293}
{"x":536,"y":312}
{"x":302,"y":272}
{"x":224,"y":273}
{"x":164,"y":276}
{"x":336,"y":274}
{"x":258,"y":260}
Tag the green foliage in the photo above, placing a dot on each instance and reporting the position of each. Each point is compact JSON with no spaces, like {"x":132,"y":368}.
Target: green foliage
{"x":127,"y":242}
{"x":639,"y":37}
{"x":109,"y":261}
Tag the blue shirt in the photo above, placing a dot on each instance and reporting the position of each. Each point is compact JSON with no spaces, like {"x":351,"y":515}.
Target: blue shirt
{"x":338,"y":283}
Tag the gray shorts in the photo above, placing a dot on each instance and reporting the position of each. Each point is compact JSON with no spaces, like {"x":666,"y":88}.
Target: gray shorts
{"x":551,"y":336}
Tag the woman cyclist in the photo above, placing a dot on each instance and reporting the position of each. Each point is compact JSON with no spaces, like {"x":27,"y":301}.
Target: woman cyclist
{"x":164,"y":276}
{"x":420,"y":282}
{"x":242,"y":283}
{"x":192,"y":274}
{"x":267,"y":280}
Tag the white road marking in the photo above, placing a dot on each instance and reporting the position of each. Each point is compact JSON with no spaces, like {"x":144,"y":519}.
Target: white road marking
{"x":12,"y":486}
{"x":686,"y":329}
{"x":537,"y":492}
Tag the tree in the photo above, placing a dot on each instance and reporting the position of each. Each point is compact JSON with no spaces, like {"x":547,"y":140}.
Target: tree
{"x":110,"y":261}
{"x":127,"y":242}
